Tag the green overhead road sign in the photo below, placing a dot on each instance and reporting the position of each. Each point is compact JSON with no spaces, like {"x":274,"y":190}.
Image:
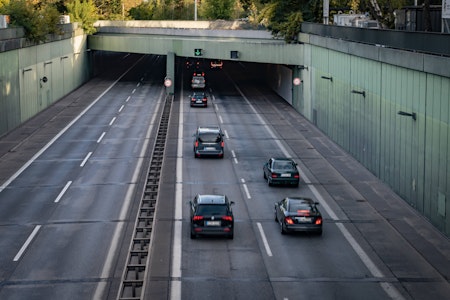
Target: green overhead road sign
{"x":198,"y":52}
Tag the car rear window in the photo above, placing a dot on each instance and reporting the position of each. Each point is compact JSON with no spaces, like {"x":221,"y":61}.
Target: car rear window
{"x":283,"y":165}
{"x":211,"y":210}
{"x":209,"y":137}
{"x":300,"y":207}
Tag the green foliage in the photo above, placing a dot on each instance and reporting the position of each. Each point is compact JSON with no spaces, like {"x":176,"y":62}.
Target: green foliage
{"x":218,"y":9}
{"x":38,"y":20}
{"x":83,"y":12}
{"x":143,"y":11}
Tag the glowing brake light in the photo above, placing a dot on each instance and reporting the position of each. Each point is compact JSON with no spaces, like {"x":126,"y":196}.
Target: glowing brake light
{"x":196,"y":143}
{"x":274,"y":175}
{"x":289,"y":220}
{"x":227,"y":218}
{"x":296,"y":176}
{"x":198,"y":218}
{"x":222,"y":144}
{"x":318,"y":221}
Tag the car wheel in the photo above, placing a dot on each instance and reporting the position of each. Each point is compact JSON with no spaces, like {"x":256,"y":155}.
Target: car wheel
{"x":268,"y":182}
{"x":283,"y":231}
{"x":276,"y":218}
{"x":319,"y":232}
{"x":264,"y":174}
{"x":193,"y":235}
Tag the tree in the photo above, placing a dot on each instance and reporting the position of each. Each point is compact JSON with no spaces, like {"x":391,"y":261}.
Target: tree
{"x":218,"y":9}
{"x":143,"y":11}
{"x":37,"y":18}
{"x":83,"y":11}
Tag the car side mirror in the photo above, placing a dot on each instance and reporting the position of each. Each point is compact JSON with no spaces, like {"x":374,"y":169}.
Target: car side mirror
{"x":231,"y":202}
{"x":316,"y":203}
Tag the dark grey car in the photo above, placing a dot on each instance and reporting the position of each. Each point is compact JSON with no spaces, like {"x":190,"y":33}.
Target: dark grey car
{"x":280,"y":170}
{"x":209,"y":142}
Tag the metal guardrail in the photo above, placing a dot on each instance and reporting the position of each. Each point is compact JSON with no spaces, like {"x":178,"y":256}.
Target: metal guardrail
{"x":134,"y":275}
{"x":424,"y":42}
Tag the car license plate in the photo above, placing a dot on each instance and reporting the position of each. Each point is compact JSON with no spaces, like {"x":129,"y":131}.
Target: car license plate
{"x":303,"y":219}
{"x":285,"y":175}
{"x":212,"y":223}
{"x":210,"y":148}
{"x":199,"y":101}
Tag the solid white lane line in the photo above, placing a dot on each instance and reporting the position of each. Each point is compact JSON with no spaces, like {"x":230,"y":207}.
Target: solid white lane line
{"x":50,"y":143}
{"x":120,"y":109}
{"x":101,"y":137}
{"x":85,"y":159}
{"x":370,"y":265}
{"x":63,"y":191}
{"x":112,"y":121}
{"x":175,"y":282}
{"x":264,"y":239}
{"x":27,"y":243}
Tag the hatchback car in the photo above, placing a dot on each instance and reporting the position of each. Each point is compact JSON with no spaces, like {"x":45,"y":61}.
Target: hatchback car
{"x":211,"y":215}
{"x":279,"y":170}
{"x":295,"y":214}
{"x":199,"y":99}
{"x":209,"y":142}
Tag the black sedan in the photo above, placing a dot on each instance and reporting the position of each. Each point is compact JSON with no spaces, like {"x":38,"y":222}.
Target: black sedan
{"x":295,"y":214}
{"x":211,"y":215}
{"x":199,"y":99}
{"x":278,"y":170}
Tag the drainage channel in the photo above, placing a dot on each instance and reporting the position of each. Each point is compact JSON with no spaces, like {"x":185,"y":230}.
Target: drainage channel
{"x":132,"y":285}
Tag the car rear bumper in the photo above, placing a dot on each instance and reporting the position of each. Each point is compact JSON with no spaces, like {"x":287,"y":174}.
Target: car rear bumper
{"x":304,"y":228}
{"x":225,"y":231}
{"x":210,"y":153}
{"x":203,"y":104}
{"x":286,"y":181}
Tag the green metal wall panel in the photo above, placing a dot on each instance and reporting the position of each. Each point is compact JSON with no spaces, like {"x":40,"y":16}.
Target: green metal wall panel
{"x":23,"y":91}
{"x":437,"y":151}
{"x":9,"y":80}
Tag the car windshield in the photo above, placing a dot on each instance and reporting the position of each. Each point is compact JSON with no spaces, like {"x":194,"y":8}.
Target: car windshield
{"x":210,"y":137}
{"x":211,"y":210}
{"x":283,"y":165}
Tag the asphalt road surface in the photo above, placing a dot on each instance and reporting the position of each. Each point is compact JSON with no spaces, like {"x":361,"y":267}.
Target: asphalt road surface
{"x":72,"y":176}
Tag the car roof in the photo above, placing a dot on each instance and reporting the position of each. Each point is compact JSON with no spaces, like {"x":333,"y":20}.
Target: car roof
{"x":282,"y":158}
{"x":303,"y":200}
{"x":214,"y":129}
{"x":211,"y":199}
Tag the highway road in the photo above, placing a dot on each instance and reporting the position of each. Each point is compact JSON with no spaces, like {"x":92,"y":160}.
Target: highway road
{"x":67,"y":213}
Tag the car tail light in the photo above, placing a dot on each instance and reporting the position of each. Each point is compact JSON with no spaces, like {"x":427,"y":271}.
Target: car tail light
{"x":222,"y":144}
{"x":204,"y":99}
{"x":227,"y":218}
{"x":227,"y":229}
{"x":273,"y":175}
{"x":297,"y":176}
{"x":196,"y":143}
{"x":198,"y":218}
{"x":289,"y":220}
{"x":318,"y":221}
